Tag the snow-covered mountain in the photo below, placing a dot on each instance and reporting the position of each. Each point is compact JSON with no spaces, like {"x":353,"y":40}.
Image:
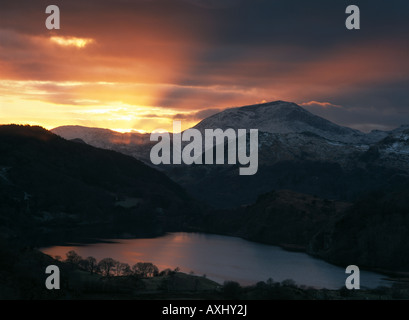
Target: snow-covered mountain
{"x":297,"y":151}
{"x":274,"y":120}
{"x":286,"y":132}
{"x":134,"y":144}
{"x":280,"y":117}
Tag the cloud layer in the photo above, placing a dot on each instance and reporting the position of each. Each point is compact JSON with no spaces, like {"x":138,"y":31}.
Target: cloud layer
{"x":182,"y":58}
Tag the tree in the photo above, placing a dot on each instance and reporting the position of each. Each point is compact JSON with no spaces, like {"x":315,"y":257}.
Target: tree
{"x":136,"y":269}
{"x":125,"y":269}
{"x":289,"y":283}
{"x":117,"y":268}
{"x":106,"y":265}
{"x":73,"y":257}
{"x":83,"y":264}
{"x":145,"y":269}
{"x":89,"y":264}
{"x":270,"y":282}
{"x":121,"y":269}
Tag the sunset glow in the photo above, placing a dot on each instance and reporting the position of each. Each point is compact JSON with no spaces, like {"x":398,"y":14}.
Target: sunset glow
{"x":140,"y":65}
{"x":71,"y":41}
{"x":204,"y":151}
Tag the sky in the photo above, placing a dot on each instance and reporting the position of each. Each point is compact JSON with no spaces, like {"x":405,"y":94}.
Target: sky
{"x":140,"y":64}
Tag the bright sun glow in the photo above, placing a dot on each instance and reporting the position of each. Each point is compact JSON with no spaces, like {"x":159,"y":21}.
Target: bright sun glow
{"x":83,"y":103}
{"x":129,"y":131}
{"x":71,"y":41}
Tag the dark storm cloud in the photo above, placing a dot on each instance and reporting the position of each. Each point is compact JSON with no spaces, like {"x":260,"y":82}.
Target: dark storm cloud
{"x":374,"y":107}
{"x":244,"y":23}
{"x":215,"y":4}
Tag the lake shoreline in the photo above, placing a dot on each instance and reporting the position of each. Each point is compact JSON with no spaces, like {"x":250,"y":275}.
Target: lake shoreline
{"x":391,"y":275}
{"x":230,"y":244}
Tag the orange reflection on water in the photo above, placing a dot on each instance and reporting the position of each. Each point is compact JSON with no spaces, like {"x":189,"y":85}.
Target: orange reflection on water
{"x":166,"y":252}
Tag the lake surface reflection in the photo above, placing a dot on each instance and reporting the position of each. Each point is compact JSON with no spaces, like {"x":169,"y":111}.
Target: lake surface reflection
{"x":222,"y":258}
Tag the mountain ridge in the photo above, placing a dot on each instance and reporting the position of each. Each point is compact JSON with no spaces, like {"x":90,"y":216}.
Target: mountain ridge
{"x":298,"y":151}
{"x":274,"y":117}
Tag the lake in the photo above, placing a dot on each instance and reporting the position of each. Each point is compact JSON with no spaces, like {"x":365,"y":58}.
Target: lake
{"x":222,"y":258}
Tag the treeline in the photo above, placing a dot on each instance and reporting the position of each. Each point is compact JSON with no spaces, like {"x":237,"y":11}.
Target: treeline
{"x":109,"y":267}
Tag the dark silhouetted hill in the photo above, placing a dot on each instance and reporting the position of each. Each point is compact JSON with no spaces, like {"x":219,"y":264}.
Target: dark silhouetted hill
{"x":374,"y":233}
{"x":283,"y":218}
{"x":57,"y":186}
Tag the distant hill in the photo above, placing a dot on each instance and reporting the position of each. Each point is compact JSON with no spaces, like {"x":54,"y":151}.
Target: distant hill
{"x":283,"y":218}
{"x":63,"y":187}
{"x":134,"y":144}
{"x":373,"y":233}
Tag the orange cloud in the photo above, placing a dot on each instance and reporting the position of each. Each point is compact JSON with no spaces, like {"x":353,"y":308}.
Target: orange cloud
{"x":125,"y":62}
{"x":320,"y":104}
{"x":71,"y":41}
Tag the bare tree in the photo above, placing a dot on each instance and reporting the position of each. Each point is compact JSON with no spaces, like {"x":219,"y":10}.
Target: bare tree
{"x":122,"y":269}
{"x":106,"y":265}
{"x":92,"y":265}
{"x":125,"y":269}
{"x":73,"y":257}
{"x":145,"y":269}
{"x":117,"y":268}
{"x":136,"y":269}
{"x":89,"y":264}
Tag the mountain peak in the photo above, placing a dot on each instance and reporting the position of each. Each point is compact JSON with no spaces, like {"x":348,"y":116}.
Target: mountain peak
{"x":279,"y":104}
{"x":280,"y":117}
{"x":270,"y":103}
